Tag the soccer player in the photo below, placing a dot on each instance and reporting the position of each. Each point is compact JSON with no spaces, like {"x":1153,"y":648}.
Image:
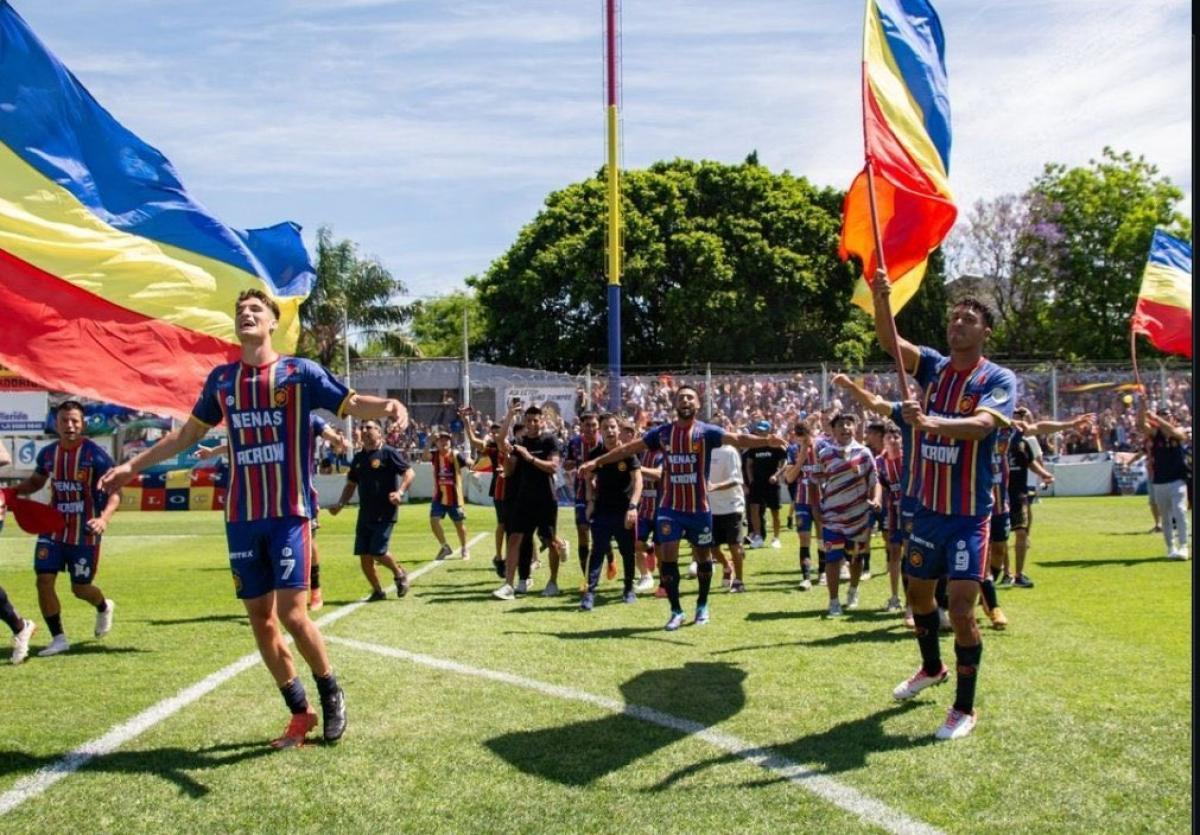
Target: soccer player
{"x":849,"y":497}
{"x":728,"y":501}
{"x":448,"y":497}
{"x":807,"y":505}
{"x":764,"y":465}
{"x":265,"y":400}
{"x":651,"y":466}
{"x":533,"y":460}
{"x":1024,"y":457}
{"x":908,"y":499}
{"x":382,"y":476}
{"x":74,"y":466}
{"x":490,"y":446}
{"x":22,"y":628}
{"x":613,"y":493}
{"x":579,"y":449}
{"x":683,"y":510}
{"x":964,"y":399}
{"x":1169,"y":482}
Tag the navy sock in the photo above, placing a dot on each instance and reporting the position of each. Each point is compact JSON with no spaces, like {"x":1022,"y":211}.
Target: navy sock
{"x":968,"y":670}
{"x":989,"y":593}
{"x":8,"y":614}
{"x":55,"y":624}
{"x":668,"y":575}
{"x":583,"y":557}
{"x":805,"y":561}
{"x":704,"y":572}
{"x":996,"y":573}
{"x":940,"y":595}
{"x":326,"y":686}
{"x":314,"y":577}
{"x":927,"y":640}
{"x":294,"y":696}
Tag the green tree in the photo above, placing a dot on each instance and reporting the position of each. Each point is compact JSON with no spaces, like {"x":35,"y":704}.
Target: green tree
{"x":352,"y":287}
{"x":721,"y":263}
{"x":437,"y":324}
{"x":1089,"y":235}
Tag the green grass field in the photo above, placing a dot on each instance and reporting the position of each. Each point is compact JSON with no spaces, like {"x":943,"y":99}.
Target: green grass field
{"x":1085,"y":702}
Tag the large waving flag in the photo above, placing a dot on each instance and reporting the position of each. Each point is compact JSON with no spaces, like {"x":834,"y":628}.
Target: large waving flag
{"x":1164,"y":304}
{"x":906,"y":126}
{"x":114,"y":282}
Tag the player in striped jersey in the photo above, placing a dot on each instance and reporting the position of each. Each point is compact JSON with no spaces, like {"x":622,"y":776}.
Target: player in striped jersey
{"x":890,"y":465}
{"x":74,"y":466}
{"x":683,"y":509}
{"x":643,"y":552}
{"x":265,"y":400}
{"x":849,"y":496}
{"x":806,"y":506}
{"x":965,"y":399}
{"x":579,"y":449}
{"x":448,"y":496}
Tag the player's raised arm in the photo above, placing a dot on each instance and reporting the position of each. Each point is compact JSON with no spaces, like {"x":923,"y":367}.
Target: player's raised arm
{"x":746,"y":441}
{"x":864,"y":398}
{"x":174,"y":442}
{"x":909,"y":353}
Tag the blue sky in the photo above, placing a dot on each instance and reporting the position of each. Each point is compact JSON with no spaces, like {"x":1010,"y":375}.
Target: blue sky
{"x":430,"y":132}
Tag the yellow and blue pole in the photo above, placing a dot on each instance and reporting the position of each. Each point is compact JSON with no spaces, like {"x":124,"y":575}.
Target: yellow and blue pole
{"x":614,"y":209}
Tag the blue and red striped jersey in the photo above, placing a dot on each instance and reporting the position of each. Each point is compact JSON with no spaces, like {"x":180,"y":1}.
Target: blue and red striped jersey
{"x":686,"y":448}
{"x":267,"y":410}
{"x":908,"y":453}
{"x":72,"y":475}
{"x":648,"y":506}
{"x":579,"y":450}
{"x":955,"y":476}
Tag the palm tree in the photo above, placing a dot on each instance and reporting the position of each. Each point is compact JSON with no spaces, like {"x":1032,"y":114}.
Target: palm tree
{"x":349,"y":290}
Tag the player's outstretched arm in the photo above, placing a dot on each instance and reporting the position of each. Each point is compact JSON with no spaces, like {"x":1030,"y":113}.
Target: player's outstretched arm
{"x":908,"y":353}
{"x":864,"y":398}
{"x":369,"y":407}
{"x":1047,"y":427}
{"x":634,"y":447}
{"x":173,"y":443}
{"x":744,"y":441}
{"x":204,"y":453}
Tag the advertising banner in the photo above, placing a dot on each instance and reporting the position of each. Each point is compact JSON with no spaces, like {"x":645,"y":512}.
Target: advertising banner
{"x":557,"y":402}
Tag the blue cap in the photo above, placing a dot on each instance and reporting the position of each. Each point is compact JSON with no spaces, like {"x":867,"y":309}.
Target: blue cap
{"x":761,"y":426}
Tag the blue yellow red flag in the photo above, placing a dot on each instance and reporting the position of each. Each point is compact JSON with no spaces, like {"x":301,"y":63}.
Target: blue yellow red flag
{"x":1164,"y":304}
{"x":906,"y":127}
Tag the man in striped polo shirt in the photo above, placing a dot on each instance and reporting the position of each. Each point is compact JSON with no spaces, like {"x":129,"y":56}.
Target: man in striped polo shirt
{"x":964,"y":398}
{"x":265,"y":400}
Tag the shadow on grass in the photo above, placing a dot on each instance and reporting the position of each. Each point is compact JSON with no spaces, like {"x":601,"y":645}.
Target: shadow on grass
{"x":93,"y":648}
{"x":239,"y":619}
{"x":172,"y":764}
{"x":883,"y":635}
{"x":637,"y":633}
{"x":844,"y":747}
{"x":700,"y":694}
{"x":1127,"y":562}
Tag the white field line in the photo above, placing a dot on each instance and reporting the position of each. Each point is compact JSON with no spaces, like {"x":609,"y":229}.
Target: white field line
{"x":866,"y":808}
{"x":35,"y":784}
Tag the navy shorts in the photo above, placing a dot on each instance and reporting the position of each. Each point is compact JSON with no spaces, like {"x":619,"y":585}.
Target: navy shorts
{"x":672,"y":526}
{"x":79,"y":561}
{"x":606,"y":527}
{"x":804,"y":518}
{"x":836,"y":541}
{"x":269,"y":554}
{"x":645,"y":529}
{"x":581,"y":520}
{"x":1000,"y":528}
{"x":437,"y":510}
{"x":947,"y":546}
{"x":372,"y":538}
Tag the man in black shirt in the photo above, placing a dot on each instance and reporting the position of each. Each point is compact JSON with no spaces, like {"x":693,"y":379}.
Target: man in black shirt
{"x":613,"y":493}
{"x":763,"y":467}
{"x":1168,"y":487}
{"x":382,"y":476}
{"x":533,"y":461}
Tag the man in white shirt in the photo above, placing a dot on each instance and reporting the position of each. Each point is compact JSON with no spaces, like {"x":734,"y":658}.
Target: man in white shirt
{"x":728,"y":506}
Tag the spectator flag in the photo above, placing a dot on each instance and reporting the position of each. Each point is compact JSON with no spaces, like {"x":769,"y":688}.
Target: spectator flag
{"x":1164,"y":304}
{"x":115,"y":283}
{"x":906,"y":128}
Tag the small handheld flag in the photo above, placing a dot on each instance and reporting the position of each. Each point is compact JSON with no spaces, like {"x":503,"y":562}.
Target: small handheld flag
{"x":1164,"y":303}
{"x":33,"y":517}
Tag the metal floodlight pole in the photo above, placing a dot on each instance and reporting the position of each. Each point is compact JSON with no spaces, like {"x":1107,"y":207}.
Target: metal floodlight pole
{"x":614,"y":207}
